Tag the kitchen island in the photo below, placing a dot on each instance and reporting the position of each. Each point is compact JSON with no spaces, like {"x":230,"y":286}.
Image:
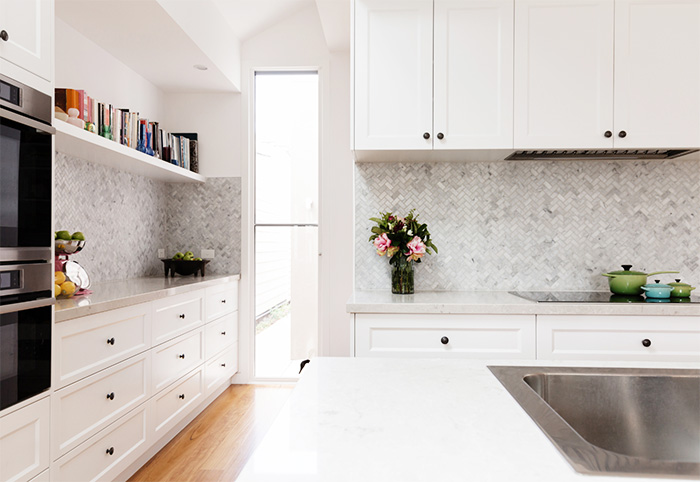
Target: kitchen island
{"x":405,"y":420}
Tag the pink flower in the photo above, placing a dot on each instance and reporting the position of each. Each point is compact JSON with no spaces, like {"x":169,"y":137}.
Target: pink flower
{"x":416,"y":249}
{"x":381,"y":244}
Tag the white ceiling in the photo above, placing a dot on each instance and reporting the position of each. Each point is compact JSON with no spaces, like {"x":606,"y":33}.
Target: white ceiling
{"x":250,"y":17}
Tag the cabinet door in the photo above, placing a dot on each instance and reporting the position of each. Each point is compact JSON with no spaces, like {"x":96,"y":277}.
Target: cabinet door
{"x":393,"y":74}
{"x":564,"y":73}
{"x":657,"y":73}
{"x":473,"y":104}
{"x":29,"y":28}
{"x":24,"y":442}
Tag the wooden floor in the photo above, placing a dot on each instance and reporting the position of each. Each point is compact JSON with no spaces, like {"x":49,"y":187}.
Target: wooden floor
{"x":217,"y":444}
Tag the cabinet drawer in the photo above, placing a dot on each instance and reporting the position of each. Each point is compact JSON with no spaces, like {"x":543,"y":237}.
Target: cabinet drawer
{"x":88,"y":344}
{"x":174,"y":404}
{"x":45,"y":476}
{"x":81,"y":409}
{"x":108,"y":453}
{"x":24,"y":442}
{"x":176,"y":315}
{"x":221,"y":334}
{"x":669,"y":338}
{"x":221,"y":300}
{"x":177,"y":357}
{"x":453,"y":336}
{"x":221,"y":368}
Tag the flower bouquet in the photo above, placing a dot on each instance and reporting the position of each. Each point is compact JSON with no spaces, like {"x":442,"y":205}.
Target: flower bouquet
{"x":404,"y":241}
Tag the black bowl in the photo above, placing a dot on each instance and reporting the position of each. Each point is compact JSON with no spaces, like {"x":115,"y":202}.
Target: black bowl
{"x":184,"y":268}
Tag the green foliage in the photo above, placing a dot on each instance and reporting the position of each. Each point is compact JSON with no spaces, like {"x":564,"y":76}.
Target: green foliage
{"x":400,"y":232}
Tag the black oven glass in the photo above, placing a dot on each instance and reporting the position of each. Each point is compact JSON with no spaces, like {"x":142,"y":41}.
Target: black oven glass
{"x":25,"y":354}
{"x":25,"y":186}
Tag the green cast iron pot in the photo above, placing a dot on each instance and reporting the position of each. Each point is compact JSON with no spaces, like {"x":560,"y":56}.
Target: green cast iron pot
{"x":681,"y":290}
{"x":628,"y":282}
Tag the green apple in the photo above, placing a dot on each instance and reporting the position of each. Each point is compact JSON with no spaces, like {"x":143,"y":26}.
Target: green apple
{"x":65,"y":235}
{"x":178,"y":256}
{"x":197,"y":259}
{"x":188,"y":257}
{"x":78,"y":236}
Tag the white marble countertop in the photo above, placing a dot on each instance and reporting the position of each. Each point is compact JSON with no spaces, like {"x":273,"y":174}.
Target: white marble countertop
{"x":110,"y":295}
{"x":409,"y":420}
{"x":500,"y":302}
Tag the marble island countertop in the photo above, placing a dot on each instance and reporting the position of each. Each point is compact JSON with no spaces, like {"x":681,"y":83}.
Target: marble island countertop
{"x":411,"y":420}
{"x":500,"y":302}
{"x":110,"y":295}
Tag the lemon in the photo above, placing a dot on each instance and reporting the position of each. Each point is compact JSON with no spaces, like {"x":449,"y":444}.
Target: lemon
{"x":56,"y":290}
{"x":59,"y":277}
{"x":68,"y":288}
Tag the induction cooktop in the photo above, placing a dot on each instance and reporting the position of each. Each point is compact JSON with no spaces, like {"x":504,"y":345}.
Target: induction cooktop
{"x":593,"y":297}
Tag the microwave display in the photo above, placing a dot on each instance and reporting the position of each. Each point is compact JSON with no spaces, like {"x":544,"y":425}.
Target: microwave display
{"x":10,"y":280}
{"x":9,"y":93}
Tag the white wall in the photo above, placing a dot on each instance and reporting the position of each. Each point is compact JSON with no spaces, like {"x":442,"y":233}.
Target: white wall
{"x":298,"y":42}
{"x":81,"y":64}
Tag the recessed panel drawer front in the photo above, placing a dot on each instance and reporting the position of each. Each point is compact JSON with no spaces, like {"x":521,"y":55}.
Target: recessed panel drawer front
{"x":453,"y":336}
{"x":87,"y":406}
{"x":176,"y":315}
{"x":662,"y":338}
{"x":173,"y":404}
{"x":88,"y":344}
{"x":221,"y":334}
{"x":173,"y":359}
{"x":221,"y":300}
{"x":221,"y":368}
{"x":105,"y":455}
{"x":24,"y":442}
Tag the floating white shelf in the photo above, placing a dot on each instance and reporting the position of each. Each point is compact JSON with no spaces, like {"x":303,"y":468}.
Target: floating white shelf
{"x":93,"y":148}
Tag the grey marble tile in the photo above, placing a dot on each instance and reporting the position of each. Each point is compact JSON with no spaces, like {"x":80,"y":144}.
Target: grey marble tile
{"x":534,"y":225}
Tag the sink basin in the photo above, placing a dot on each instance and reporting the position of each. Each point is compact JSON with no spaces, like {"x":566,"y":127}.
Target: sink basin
{"x":607,"y":421}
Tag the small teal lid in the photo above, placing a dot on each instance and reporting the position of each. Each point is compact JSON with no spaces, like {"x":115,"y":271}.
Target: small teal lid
{"x":657,"y":284}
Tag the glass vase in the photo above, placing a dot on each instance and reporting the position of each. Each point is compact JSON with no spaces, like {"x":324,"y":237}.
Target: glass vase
{"x":402,"y":276}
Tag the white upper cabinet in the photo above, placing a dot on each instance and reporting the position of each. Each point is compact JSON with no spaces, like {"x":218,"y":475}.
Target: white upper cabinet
{"x":564,"y":73}
{"x":26,"y":39}
{"x":657,"y":73}
{"x":393,"y":74}
{"x":473,"y":74}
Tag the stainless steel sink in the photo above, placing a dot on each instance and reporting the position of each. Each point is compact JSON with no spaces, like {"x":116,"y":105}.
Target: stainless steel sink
{"x":605,"y":421}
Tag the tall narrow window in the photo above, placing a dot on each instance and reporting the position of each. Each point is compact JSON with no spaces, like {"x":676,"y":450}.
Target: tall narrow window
{"x":286,"y":221}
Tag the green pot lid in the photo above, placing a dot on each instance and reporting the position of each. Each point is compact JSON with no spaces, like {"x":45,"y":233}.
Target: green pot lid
{"x":679,"y":284}
{"x":626,"y":271}
{"x":658,"y":284}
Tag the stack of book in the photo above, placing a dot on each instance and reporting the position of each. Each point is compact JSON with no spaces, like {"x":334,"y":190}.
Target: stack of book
{"x":127,"y":128}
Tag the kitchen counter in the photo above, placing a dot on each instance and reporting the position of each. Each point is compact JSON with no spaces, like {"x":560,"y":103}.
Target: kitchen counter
{"x":406,"y":420}
{"x":500,"y":302}
{"x":110,"y":295}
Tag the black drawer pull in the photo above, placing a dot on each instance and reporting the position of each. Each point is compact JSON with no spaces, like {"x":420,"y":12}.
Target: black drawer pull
{"x":4,"y":35}
{"x":223,"y":365}
{"x":223,"y":333}
{"x":646,"y":342}
{"x":444,"y":340}
{"x":223,"y":301}
{"x":110,"y":396}
{"x":181,"y":356}
{"x":182,"y":316}
{"x":110,"y":341}
{"x":181,"y":396}
{"x":110,"y":451}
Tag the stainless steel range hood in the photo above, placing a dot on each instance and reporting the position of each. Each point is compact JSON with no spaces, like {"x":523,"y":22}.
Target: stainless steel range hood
{"x":599,"y":154}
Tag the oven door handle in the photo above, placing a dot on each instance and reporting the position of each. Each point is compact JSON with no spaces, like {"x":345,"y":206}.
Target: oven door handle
{"x":27,"y":305}
{"x":26,"y":121}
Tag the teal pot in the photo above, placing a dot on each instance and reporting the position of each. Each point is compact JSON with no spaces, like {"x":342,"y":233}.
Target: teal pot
{"x":681,"y":290}
{"x":627,"y":282}
{"x":658,"y":290}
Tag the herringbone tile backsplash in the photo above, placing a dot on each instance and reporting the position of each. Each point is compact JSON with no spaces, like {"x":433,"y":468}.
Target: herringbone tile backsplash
{"x":534,"y":225}
{"x":126,"y":218}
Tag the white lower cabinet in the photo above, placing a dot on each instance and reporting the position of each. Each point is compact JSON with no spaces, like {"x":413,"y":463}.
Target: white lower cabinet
{"x":171,"y":406}
{"x":221,"y":333}
{"x":445,"y":335}
{"x":83,"y":408}
{"x":173,"y":359}
{"x":658,"y":338}
{"x":105,"y":455}
{"x":45,"y":476}
{"x":27,"y":428}
{"x":220,"y":368}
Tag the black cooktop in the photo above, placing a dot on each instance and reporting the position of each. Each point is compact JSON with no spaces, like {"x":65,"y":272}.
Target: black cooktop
{"x":593,"y":297}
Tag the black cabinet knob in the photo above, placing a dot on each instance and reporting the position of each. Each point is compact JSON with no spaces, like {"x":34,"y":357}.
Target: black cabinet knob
{"x":110,"y":395}
{"x":608,"y":134}
{"x":4,"y":35}
{"x":110,"y":341}
{"x":181,"y":396}
{"x":223,"y":333}
{"x":223,"y":365}
{"x":181,"y":356}
{"x":440,"y":136}
{"x":426,"y":135}
{"x":444,"y":340}
{"x":622,"y":134}
{"x":223,"y":301}
{"x":182,"y":316}
{"x":646,"y":342}
{"x":110,"y":451}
